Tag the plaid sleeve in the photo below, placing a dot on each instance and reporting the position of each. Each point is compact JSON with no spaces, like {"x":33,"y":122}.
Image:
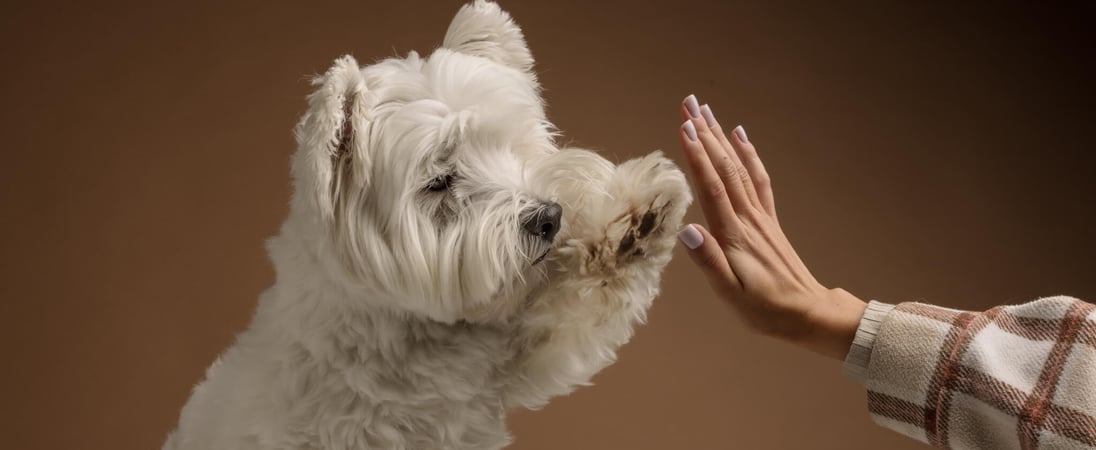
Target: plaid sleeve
{"x":1021,"y":376}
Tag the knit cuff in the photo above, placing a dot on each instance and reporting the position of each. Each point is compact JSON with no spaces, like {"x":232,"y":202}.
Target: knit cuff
{"x":856,"y":362}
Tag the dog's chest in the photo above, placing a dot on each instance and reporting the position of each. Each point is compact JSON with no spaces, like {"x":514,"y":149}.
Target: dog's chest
{"x":422,"y":386}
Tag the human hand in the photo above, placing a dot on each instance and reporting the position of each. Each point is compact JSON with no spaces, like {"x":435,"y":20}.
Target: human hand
{"x":745,"y":257}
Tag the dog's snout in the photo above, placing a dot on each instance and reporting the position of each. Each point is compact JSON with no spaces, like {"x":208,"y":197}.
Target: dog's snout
{"x":543,"y":221}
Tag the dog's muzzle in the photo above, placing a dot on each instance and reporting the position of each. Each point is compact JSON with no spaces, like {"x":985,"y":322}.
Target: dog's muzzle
{"x":543,"y":221}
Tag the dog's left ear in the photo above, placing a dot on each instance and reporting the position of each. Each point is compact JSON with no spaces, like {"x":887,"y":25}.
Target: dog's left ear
{"x":331,"y":137}
{"x":483,"y":29}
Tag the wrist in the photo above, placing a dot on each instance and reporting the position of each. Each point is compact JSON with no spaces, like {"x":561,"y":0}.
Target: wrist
{"x":832,"y":323}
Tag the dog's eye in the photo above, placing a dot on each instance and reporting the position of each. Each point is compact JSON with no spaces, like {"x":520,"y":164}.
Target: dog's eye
{"x":440,"y":183}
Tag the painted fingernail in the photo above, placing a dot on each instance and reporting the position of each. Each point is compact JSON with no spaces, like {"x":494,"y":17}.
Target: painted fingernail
{"x":690,"y":130}
{"x":709,"y":118}
{"x":741,"y":133}
{"x":692,"y":106}
{"x":691,"y":237}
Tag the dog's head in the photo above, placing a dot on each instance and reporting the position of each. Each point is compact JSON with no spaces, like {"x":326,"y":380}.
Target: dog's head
{"x":425,"y":177}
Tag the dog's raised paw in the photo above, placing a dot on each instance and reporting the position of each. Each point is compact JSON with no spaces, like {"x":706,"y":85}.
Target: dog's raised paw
{"x":642,"y":225}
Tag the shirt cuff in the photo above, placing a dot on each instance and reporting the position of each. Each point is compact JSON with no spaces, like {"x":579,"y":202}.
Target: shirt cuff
{"x":856,"y":362}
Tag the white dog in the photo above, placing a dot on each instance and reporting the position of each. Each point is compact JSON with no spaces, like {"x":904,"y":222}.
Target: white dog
{"x":443,"y":261}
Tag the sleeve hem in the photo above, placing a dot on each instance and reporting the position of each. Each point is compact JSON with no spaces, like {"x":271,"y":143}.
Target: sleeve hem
{"x":856,"y":362}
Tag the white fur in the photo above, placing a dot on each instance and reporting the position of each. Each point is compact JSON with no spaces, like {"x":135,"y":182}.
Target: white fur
{"x":403,"y":318}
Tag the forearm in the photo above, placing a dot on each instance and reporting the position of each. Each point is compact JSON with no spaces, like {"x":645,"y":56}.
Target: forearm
{"x":606,"y":269}
{"x":1023,"y":374}
{"x":564,"y":347}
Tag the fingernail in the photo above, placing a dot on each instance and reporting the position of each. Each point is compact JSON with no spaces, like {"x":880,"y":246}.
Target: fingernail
{"x":690,"y":130}
{"x":709,"y":118}
{"x":691,"y":237}
{"x":692,"y":106}
{"x":741,"y":133}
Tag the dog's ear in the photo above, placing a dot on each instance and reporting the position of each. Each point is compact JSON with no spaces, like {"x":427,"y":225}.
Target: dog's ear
{"x":483,"y":29}
{"x":332,"y":137}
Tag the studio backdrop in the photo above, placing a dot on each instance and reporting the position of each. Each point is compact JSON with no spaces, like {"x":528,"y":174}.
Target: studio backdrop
{"x":919,"y":151}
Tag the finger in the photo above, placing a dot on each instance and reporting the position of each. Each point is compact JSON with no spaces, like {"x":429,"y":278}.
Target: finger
{"x":690,"y":108}
{"x":745,"y":176}
{"x":721,"y":159}
{"x":761,"y":181}
{"x":711,"y":191}
{"x":706,"y":253}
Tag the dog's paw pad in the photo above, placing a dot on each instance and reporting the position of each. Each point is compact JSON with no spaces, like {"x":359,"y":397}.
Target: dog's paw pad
{"x":642,"y":226}
{"x":647,"y":224}
{"x":627,"y":243}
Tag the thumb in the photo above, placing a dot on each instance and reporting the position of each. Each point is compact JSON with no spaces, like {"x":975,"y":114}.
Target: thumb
{"x":705,"y":252}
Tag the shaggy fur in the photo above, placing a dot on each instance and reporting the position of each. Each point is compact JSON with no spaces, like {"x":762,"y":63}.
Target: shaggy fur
{"x":412,"y":307}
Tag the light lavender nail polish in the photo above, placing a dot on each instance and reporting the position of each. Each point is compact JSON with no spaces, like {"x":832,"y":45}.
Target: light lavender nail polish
{"x":691,"y":237}
{"x":741,"y":133}
{"x":709,"y":118}
{"x":692,"y":106}
{"x":690,"y":130}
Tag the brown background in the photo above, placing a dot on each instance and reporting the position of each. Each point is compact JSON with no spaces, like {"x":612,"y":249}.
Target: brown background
{"x":919,"y":151}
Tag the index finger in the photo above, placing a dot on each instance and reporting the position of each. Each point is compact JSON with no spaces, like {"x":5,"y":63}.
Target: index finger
{"x":711,"y":191}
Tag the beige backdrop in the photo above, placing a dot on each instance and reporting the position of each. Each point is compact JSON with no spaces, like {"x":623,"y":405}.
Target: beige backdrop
{"x":919,"y":151}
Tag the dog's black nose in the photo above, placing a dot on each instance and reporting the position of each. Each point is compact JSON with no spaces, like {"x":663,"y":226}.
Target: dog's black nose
{"x":543,"y":221}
